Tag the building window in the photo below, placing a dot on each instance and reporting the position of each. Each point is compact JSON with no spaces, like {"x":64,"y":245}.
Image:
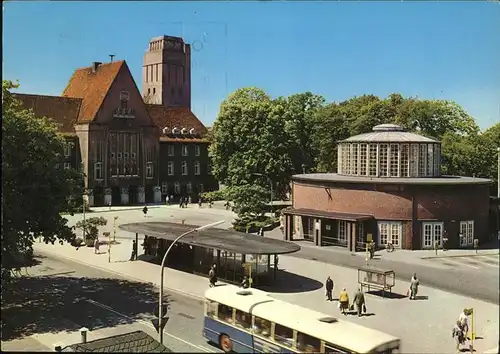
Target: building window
{"x":154,"y":90}
{"x":177,"y":188}
{"x":197,"y":150}
{"x":67,"y":149}
{"x":404,"y":160}
{"x":354,"y":159}
{"x":430,"y":159}
{"x":466,"y":233}
{"x":197,"y":168}
{"x":390,"y":232}
{"x":112,"y":155}
{"x":414,"y":160}
{"x":432,"y":232}
{"x":342,"y":232}
{"x":437,"y":161}
{"x":200,"y":188}
{"x":171,"y":150}
{"x":189,"y":188}
{"x":67,"y":165}
{"x":383,"y":161}
{"x":164,"y":188}
{"x":362,"y":163}
{"x":360,"y":237}
{"x":98,"y":172}
{"x":149,"y":170}
{"x":373,"y":159}
{"x":209,"y":168}
{"x":170,"y":168}
{"x":149,"y":90}
{"x":184,"y":168}
{"x":124,"y":97}
{"x":347,"y":151}
{"x":422,"y":160}
{"x":184,"y":150}
{"x":394,"y":156}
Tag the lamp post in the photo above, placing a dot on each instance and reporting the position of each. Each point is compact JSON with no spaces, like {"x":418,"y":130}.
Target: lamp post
{"x":270,"y":185}
{"x":160,"y":299}
{"x":498,"y":173}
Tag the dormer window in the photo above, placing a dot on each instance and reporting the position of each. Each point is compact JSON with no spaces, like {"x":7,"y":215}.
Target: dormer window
{"x":191,"y":131}
{"x":184,"y":131}
{"x":175,"y":130}
{"x":165,"y":130}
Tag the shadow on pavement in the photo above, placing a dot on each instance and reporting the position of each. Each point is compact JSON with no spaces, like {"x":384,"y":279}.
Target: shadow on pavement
{"x":56,"y":303}
{"x":386,"y":295}
{"x":287,"y":282}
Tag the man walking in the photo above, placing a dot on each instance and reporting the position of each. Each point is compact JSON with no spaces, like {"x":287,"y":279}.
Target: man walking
{"x":212,"y":276}
{"x":359,"y":300}
{"x":329,"y":288}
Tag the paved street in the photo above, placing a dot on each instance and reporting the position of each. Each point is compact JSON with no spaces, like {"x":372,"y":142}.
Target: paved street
{"x":61,"y":296}
{"x":478,"y":278}
{"x":300,"y":281}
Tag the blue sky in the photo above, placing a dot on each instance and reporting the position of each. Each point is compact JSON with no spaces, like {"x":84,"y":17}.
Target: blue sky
{"x":442,"y":50}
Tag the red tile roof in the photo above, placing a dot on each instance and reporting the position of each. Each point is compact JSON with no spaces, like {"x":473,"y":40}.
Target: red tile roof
{"x":92,"y":87}
{"x":62,"y":110}
{"x":171,"y":117}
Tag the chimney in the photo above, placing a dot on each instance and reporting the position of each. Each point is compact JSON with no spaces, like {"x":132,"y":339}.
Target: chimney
{"x":95,"y":65}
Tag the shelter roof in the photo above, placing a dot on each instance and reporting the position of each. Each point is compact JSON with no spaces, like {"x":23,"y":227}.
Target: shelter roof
{"x":222,"y":239}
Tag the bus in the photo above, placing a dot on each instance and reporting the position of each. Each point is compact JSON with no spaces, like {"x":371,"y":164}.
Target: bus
{"x":250,"y":321}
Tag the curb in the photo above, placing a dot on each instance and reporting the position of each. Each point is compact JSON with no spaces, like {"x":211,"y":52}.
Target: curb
{"x":123,"y":209}
{"x":180,"y":292}
{"x":461,"y":255}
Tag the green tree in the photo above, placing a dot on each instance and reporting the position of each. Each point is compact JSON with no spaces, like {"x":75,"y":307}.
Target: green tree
{"x":36,"y":189}
{"x":250,"y":200}
{"x":91,"y":228}
{"x":248,"y":138}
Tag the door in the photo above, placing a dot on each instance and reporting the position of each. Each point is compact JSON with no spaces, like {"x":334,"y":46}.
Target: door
{"x":466,"y":233}
{"x":432,"y":232}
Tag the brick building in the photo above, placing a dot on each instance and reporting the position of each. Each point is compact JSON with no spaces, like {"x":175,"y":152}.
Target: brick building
{"x":389,"y":185}
{"x":132,"y":152}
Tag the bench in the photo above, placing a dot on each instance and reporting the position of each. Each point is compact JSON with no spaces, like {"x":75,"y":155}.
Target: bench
{"x":380,"y":279}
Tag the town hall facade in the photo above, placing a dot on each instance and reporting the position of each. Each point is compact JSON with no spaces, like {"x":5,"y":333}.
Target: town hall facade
{"x":133,"y":148}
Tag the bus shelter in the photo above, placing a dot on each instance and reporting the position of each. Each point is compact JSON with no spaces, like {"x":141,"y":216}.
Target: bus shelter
{"x":235,"y":253}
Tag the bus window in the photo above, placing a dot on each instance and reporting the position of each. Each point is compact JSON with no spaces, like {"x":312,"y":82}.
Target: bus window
{"x":331,"y":349}
{"x":212,"y":308}
{"x":262,"y":327}
{"x":225,"y":313}
{"x":243,"y":319}
{"x":283,"y":335}
{"x":308,"y":344}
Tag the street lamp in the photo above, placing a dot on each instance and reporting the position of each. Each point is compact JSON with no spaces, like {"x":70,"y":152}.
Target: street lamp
{"x":270,"y":185}
{"x":498,"y":173}
{"x":160,"y":299}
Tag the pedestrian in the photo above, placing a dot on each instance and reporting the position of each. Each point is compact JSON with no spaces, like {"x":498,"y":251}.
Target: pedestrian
{"x":145,"y":210}
{"x":329,"y":288}
{"x":458,"y":334}
{"x":166,"y":200}
{"x":414,"y":283}
{"x":96,"y":245}
{"x":134,"y":251}
{"x":109,"y":205}
{"x":227,"y":205}
{"x":199,"y":202}
{"x":245,"y":284}
{"x":261,"y":232}
{"x":359,"y":300}
{"x":181,"y":201}
{"x":371,"y":249}
{"x":344,"y":301}
{"x":171,"y":198}
{"x":212,"y":276}
{"x":190,"y":200}
{"x":276,"y":261}
{"x":464,"y":321}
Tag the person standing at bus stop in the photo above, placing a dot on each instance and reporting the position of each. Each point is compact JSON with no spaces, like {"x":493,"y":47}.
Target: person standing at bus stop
{"x":329,"y":288}
{"x":212,"y":276}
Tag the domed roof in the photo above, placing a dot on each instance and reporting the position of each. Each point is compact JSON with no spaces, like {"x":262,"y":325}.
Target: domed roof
{"x":389,"y":133}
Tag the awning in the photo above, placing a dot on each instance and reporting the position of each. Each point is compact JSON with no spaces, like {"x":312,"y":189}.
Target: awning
{"x":327,"y":214}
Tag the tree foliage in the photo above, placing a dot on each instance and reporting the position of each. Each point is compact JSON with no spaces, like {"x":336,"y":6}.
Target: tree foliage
{"x":36,"y":189}
{"x":255,"y":134}
{"x":91,"y":227}
{"x":250,"y":200}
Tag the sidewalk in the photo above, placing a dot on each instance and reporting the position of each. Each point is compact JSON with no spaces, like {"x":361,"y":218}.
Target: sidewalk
{"x":430,"y":318}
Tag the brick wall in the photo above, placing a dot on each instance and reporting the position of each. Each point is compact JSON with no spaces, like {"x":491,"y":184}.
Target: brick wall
{"x":449,"y":204}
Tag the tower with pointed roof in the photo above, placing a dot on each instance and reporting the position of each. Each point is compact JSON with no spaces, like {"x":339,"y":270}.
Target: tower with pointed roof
{"x":166,"y":72}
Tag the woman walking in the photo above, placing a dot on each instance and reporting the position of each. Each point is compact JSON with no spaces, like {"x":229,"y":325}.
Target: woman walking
{"x":344,"y":302}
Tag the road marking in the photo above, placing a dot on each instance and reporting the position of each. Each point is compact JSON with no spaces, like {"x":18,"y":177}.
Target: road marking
{"x":98,"y":304}
{"x":460,"y":263}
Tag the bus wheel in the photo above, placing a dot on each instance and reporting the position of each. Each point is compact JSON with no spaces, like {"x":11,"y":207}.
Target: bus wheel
{"x":225,"y":343}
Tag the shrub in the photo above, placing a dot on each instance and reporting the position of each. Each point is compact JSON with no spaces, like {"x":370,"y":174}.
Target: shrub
{"x":214,"y":196}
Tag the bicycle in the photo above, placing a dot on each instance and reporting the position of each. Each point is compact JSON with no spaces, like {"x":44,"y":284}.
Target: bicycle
{"x":389,"y":247}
